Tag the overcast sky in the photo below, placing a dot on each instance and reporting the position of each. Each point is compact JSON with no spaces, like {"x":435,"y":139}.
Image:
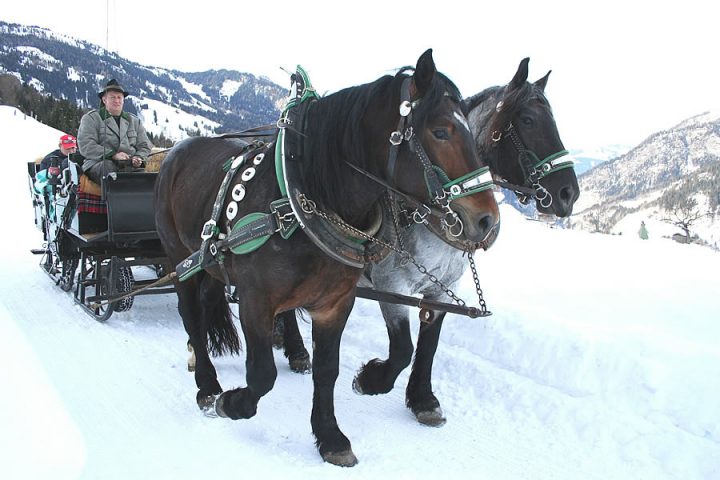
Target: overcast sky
{"x":621,"y":69}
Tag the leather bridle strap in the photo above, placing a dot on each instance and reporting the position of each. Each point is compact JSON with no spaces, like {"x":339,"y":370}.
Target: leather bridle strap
{"x":434,"y":211}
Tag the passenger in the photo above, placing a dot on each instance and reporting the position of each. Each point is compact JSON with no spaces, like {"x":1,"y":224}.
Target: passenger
{"x":67,"y":148}
{"x":48,"y":175}
{"x":110,"y":139}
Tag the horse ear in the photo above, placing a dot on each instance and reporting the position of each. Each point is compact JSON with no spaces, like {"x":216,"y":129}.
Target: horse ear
{"x":424,"y":73}
{"x":543,"y":81}
{"x":520,"y":76}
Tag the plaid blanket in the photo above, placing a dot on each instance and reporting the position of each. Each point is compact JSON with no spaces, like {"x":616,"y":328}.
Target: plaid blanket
{"x":89,"y":203}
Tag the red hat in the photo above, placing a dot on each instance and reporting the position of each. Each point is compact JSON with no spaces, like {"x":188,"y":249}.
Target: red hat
{"x":68,"y":141}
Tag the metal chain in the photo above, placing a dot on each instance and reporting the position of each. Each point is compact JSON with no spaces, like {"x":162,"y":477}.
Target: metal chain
{"x":396,"y":222}
{"x":309,"y":207}
{"x":476,"y":279}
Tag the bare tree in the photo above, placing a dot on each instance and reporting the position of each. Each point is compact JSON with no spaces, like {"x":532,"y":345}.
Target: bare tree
{"x":598,"y":220}
{"x":683,"y":213}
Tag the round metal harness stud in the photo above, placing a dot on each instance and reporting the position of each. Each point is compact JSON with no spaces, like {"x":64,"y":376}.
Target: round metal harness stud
{"x":258,"y":158}
{"x":231,"y":210}
{"x":237,"y":162}
{"x":455,"y":190}
{"x":238,"y":192}
{"x":405,"y":108}
{"x":248,"y":174}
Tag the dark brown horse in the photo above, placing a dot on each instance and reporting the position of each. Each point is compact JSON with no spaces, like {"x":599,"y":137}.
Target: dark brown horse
{"x":342,"y":166}
{"x":516,"y":135}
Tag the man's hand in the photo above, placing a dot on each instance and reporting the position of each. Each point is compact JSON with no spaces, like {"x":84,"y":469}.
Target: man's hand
{"x":136,"y":161}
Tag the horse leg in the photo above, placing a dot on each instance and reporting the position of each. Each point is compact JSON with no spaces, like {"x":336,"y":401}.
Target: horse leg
{"x":191,"y":298}
{"x":333,"y":445}
{"x":191,"y":360}
{"x":298,"y":357}
{"x":257,"y":323}
{"x":418,"y":395}
{"x":378,"y":376}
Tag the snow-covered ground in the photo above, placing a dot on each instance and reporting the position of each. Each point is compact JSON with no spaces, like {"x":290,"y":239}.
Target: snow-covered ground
{"x":601,"y":361}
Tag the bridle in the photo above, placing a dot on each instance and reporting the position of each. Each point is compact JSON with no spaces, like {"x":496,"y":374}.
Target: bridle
{"x":441,"y":189}
{"x":532,"y":167}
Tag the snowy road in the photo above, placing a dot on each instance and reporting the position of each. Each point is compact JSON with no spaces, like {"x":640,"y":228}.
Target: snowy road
{"x":601,"y":361}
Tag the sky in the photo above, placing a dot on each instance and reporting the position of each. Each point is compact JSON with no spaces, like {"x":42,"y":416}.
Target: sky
{"x":622,"y":70}
{"x":600,"y":363}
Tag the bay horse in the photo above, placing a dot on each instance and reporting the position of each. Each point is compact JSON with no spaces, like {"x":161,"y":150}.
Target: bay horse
{"x":516,"y":135}
{"x":342,"y":165}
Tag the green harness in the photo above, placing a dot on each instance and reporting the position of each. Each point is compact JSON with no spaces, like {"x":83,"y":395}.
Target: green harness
{"x":254,"y":229}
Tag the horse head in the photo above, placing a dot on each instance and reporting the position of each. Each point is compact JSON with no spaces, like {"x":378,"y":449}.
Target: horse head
{"x":432,"y":158}
{"x":516,"y":122}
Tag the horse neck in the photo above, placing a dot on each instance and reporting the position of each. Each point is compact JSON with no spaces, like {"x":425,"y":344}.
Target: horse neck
{"x":336,"y":137}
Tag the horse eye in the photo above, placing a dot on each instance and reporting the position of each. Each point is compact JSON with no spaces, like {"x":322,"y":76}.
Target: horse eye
{"x":441,"y":134}
{"x":528,"y":121}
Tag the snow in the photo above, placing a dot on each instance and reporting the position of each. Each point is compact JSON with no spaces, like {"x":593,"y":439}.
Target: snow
{"x":601,"y":361}
{"x":36,"y":52}
{"x":193,"y":88}
{"x":172,"y":122}
{"x":230,"y":87}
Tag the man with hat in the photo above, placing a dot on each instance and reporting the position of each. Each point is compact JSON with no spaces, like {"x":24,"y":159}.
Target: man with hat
{"x":67,"y":148}
{"x":111,"y":139}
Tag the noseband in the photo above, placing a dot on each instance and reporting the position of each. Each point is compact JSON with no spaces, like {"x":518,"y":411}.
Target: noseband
{"x":532,"y":167}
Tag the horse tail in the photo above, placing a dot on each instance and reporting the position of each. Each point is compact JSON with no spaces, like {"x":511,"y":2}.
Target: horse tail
{"x":222,"y":335}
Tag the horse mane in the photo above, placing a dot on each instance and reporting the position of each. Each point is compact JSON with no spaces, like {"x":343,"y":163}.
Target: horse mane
{"x":332,"y":138}
{"x":334,"y":131}
{"x":512,"y":101}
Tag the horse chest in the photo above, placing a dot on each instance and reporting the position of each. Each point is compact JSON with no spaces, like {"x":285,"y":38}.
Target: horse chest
{"x":440,"y":259}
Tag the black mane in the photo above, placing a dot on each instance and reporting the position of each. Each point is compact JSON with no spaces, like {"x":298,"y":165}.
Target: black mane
{"x":512,"y":101}
{"x":333,"y":123}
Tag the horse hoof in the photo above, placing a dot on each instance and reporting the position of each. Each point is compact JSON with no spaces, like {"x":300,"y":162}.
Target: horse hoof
{"x":357,"y":388}
{"x":431,"y":418}
{"x":191,"y":368}
{"x":301,"y":365}
{"x":341,"y":459}
{"x":218,"y":406}
{"x":207,"y":406}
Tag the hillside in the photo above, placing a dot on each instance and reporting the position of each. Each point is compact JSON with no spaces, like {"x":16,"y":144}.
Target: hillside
{"x":679,"y":163}
{"x":176,"y":104}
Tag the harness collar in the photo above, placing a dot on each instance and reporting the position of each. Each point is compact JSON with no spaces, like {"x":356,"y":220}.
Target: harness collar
{"x":339,"y":243}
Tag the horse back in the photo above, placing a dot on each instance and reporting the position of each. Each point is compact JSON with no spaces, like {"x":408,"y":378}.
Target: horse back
{"x":187,"y":187}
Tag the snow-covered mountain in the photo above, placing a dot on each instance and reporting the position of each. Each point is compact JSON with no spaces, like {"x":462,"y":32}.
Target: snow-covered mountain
{"x":173,"y":103}
{"x":617,"y":195}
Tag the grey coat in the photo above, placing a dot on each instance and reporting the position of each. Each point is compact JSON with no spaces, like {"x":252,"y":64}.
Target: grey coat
{"x":100,"y":138}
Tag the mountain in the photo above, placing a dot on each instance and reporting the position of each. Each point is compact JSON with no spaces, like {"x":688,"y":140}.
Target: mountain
{"x":173,"y":103}
{"x":682,"y":163}
{"x":585,"y":159}
{"x":618,"y":190}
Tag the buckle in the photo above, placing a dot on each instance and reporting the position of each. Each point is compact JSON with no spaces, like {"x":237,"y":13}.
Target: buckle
{"x":284,"y":217}
{"x":396,"y":138}
{"x":208,"y":230}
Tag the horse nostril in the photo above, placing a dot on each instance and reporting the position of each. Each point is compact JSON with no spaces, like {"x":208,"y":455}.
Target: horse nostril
{"x":567,"y":194}
{"x":485,"y":224}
